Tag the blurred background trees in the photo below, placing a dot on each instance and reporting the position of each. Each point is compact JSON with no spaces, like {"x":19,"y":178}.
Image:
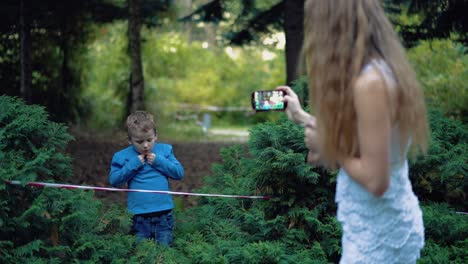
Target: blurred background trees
{"x":87,"y":63}
{"x":91,"y":62}
{"x":418,"y":20}
{"x":41,"y":43}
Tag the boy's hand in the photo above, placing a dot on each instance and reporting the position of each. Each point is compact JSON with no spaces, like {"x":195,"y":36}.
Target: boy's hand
{"x":142,"y":158}
{"x":150,"y":157}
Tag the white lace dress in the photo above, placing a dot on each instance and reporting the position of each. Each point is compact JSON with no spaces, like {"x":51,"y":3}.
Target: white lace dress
{"x":387,"y":229}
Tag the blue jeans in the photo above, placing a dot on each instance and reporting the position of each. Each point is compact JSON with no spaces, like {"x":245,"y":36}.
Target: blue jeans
{"x":158,"y":226}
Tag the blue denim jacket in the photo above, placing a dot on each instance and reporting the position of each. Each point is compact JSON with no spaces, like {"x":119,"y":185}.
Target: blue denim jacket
{"x":127,"y":168}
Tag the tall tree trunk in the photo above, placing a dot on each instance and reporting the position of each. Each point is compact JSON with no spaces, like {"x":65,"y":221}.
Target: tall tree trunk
{"x":210,"y":35}
{"x":294,"y":31}
{"x":62,"y":98}
{"x":60,"y":106}
{"x":25,"y":53}
{"x":185,"y":7}
{"x":136,"y":100}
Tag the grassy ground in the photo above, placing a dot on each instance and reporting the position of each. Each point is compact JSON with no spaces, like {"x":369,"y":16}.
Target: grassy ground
{"x":196,"y":133}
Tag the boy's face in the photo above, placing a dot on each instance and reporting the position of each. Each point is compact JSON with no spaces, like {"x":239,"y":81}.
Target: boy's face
{"x":143,"y":141}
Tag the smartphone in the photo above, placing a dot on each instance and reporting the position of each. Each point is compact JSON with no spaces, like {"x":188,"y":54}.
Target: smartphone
{"x":271,"y":100}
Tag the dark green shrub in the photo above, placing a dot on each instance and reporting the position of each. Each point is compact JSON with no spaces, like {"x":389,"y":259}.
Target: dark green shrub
{"x":442,"y":68}
{"x":441,"y":175}
{"x":30,"y":149}
{"x":446,"y":235}
{"x":53,"y":225}
{"x":298,"y":224}
{"x":30,"y":144}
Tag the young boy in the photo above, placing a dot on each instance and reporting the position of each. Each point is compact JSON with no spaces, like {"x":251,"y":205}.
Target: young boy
{"x":147,"y":166}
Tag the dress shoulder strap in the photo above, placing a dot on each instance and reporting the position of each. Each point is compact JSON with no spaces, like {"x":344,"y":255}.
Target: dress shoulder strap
{"x":383,"y":68}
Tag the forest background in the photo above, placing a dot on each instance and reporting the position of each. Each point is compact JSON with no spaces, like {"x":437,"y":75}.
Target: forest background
{"x":87,"y":64}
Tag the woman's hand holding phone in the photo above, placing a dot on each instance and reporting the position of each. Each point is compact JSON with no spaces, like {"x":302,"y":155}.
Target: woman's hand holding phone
{"x":296,"y":114}
{"x":277,"y":100}
{"x":294,"y":110}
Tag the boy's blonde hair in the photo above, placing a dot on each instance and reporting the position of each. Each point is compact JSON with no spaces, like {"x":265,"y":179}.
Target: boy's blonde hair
{"x":140,"y":121}
{"x":340,"y":37}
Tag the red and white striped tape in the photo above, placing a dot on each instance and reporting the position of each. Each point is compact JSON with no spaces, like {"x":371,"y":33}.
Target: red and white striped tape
{"x":70,"y":186}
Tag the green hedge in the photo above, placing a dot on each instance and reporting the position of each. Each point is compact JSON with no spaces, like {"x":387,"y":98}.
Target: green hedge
{"x":442,"y":68}
{"x":52,"y":225}
{"x":297,"y":225}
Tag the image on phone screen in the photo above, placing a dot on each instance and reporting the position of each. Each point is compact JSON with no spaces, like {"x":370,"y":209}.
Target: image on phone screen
{"x":268,"y":100}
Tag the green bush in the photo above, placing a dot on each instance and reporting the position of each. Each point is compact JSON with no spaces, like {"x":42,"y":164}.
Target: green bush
{"x":441,"y":175}
{"x":298,"y":224}
{"x":446,"y":235}
{"x":295,"y":226}
{"x":52,"y":225}
{"x":30,"y":144}
{"x":442,"y":68}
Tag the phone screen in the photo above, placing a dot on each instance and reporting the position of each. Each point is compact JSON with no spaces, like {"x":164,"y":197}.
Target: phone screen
{"x":268,"y":100}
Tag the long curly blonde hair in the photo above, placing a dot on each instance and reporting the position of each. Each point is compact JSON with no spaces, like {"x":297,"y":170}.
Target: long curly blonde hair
{"x":340,"y":37}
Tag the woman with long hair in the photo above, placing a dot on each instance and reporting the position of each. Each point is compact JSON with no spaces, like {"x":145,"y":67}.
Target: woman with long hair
{"x":368,"y":107}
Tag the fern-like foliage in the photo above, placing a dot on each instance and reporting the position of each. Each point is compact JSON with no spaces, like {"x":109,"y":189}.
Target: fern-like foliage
{"x":446,"y":235}
{"x":298,"y":225}
{"x":50,"y":225}
{"x":31,"y":148}
{"x":441,"y":175}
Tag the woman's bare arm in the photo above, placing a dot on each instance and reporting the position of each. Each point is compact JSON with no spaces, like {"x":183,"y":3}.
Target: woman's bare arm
{"x":371,"y":168}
